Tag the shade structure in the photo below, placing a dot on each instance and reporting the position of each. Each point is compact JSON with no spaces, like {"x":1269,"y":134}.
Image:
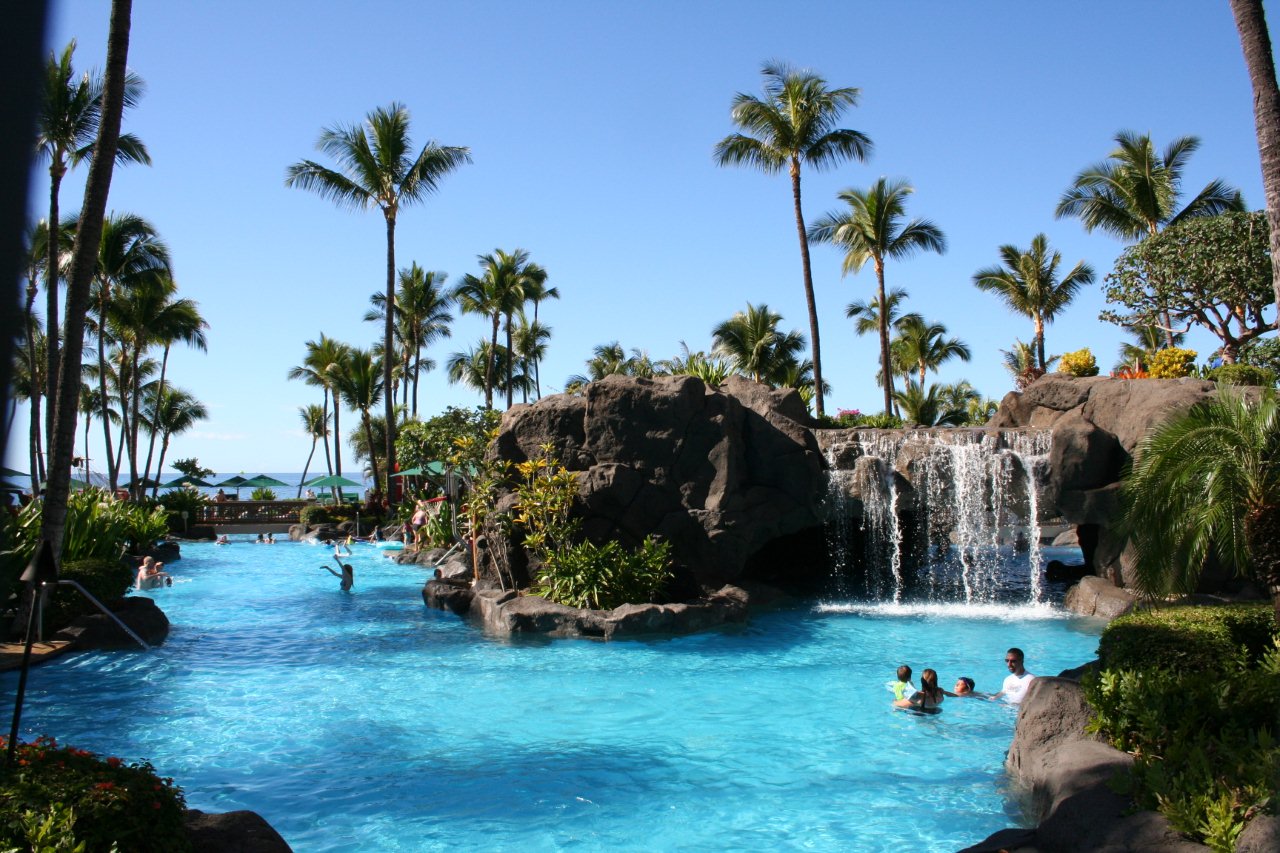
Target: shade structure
{"x":75,"y":484}
{"x":431,"y":469}
{"x":332,"y":481}
{"x":143,"y":483}
{"x":9,"y":473}
{"x":232,"y":482}
{"x":262,"y":481}
{"x":186,"y":480}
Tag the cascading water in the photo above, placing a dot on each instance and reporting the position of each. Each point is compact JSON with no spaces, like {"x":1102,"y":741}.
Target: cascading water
{"x":936,"y":512}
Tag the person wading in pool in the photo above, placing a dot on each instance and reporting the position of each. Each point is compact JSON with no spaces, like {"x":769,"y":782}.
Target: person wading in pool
{"x":926,"y":700}
{"x":348,"y":575}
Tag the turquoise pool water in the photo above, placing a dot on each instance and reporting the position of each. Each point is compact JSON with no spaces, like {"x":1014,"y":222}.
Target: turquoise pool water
{"x":364,"y":721}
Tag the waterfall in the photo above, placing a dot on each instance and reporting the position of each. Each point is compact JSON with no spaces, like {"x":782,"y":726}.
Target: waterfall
{"x":936,"y":512}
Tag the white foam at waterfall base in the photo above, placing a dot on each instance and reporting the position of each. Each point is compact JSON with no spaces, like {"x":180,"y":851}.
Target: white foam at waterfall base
{"x":948,"y":609}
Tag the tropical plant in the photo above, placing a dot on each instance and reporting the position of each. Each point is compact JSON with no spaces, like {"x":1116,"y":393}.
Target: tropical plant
{"x":92,"y":211}
{"x":1171,"y":363}
{"x":315,"y":423}
{"x":1212,"y":272}
{"x":927,"y":406}
{"x":794,"y":124}
{"x":755,"y":346}
{"x":497,"y":293}
{"x":1078,"y":363}
{"x":1242,"y":374}
{"x":530,"y":347}
{"x":192,"y":468}
{"x":1023,"y":365}
{"x":357,"y":382}
{"x":1146,"y":339}
{"x":471,"y":368}
{"x":1262,"y":352}
{"x":711,"y":369}
{"x":1028,"y":283}
{"x":262,"y":493}
{"x":611,"y":360}
{"x":1134,"y":193}
{"x":920,"y":347}
{"x":1207,"y":482}
{"x":68,"y":123}
{"x":422,"y":318}
{"x":318,"y":370}
{"x":961,"y":396}
{"x":108,"y":803}
{"x":175,"y":412}
{"x":872,"y":229}
{"x":376,"y":168}
{"x":866,"y":315}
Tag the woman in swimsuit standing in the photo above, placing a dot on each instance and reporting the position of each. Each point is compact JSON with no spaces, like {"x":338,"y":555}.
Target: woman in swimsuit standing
{"x":926,"y":700}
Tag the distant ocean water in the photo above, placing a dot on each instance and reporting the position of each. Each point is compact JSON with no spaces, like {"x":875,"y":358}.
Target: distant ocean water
{"x":292,"y":479}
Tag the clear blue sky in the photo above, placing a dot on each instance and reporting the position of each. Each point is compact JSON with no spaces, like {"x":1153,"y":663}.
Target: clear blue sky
{"x":591,"y":125}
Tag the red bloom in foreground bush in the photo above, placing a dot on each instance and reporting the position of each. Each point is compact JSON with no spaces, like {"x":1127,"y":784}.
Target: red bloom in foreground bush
{"x":113,"y":762}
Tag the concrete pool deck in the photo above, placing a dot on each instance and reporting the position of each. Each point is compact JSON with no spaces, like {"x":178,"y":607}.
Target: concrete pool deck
{"x":11,"y":653}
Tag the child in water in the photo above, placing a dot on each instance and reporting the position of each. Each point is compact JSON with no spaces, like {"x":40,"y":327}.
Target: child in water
{"x":902,"y":688}
{"x":347,"y":577}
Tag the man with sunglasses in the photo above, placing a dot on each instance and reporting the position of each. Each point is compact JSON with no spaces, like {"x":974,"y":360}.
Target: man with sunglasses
{"x":1017,"y":681}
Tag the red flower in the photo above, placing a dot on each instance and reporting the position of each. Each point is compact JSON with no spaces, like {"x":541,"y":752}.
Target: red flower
{"x":113,"y":762}
{"x":105,"y":786}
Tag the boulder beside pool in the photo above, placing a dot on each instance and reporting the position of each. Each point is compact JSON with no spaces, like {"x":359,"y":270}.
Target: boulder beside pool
{"x":238,"y":831}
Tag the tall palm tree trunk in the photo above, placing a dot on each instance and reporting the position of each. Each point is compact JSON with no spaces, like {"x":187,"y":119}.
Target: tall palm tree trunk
{"x":1255,"y":40}
{"x":135,"y":397}
{"x":328,"y":460}
{"x":368,"y":436}
{"x":89,"y":233}
{"x":56,"y":170}
{"x":155,"y":417}
{"x":490,"y":362}
{"x":809,"y":300}
{"x":884,"y":338}
{"x":1039,"y":326}
{"x":511,"y":363}
{"x":388,"y":355}
{"x":307,"y":467}
{"x":417,"y":371}
{"x":35,"y":445}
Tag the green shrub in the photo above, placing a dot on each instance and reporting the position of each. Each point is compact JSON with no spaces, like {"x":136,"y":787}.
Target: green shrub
{"x":1171,"y":363}
{"x":179,"y":500}
{"x":1186,"y":639}
{"x":606,"y":576}
{"x":1242,"y":374}
{"x":314,"y":514}
{"x":1202,"y":740}
{"x":1078,"y":363}
{"x":106,"y":580}
{"x":112,"y":802}
{"x":262,"y":494}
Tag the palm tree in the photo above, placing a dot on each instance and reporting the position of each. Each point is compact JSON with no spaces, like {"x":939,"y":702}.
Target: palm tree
{"x":530,"y":347}
{"x":871,"y":229}
{"x":315,"y":420}
{"x":611,"y":360}
{"x":472,"y":368}
{"x":130,"y":254}
{"x":1146,"y":340}
{"x":317,"y":370}
{"x":358,"y":383}
{"x":422,"y":310}
{"x":752,"y":342}
{"x":928,"y":407}
{"x":500,"y":291}
{"x":866,"y":315}
{"x":1134,"y":193}
{"x":175,"y":412}
{"x":1029,"y":284}
{"x":1023,"y":365}
{"x":377,"y":169}
{"x":794,"y":124}
{"x":536,"y":292}
{"x":1255,"y":41}
{"x":174,"y":321}
{"x":921,"y":347}
{"x":67,"y":128}
{"x":711,"y":369}
{"x":92,"y":211}
{"x":1207,"y":481}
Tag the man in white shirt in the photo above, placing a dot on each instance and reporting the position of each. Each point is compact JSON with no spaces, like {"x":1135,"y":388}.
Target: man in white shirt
{"x":1017,"y":681}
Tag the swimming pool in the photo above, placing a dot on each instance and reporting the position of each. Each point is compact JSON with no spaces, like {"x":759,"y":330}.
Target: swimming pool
{"x":364,"y":721}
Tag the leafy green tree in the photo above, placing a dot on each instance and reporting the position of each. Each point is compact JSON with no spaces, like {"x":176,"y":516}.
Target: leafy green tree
{"x":192,"y":468}
{"x":68,"y":123}
{"x":378,"y":169}
{"x":315,"y":422}
{"x":755,"y":346}
{"x":1028,"y":283}
{"x":921,"y":347}
{"x":1207,"y":482}
{"x":437,"y":439}
{"x":794,"y":124}
{"x":1146,"y":338}
{"x":1212,"y":272}
{"x":872,"y":229}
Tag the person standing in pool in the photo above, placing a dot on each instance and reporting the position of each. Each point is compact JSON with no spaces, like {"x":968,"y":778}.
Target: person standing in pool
{"x":902,"y":688}
{"x":347,"y":577}
{"x":1017,"y":681}
{"x":926,"y":700}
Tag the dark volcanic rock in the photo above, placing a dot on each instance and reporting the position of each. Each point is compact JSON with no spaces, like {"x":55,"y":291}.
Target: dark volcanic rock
{"x":445,"y":594}
{"x":98,"y":631}
{"x":232,"y":832}
{"x":718,"y":473}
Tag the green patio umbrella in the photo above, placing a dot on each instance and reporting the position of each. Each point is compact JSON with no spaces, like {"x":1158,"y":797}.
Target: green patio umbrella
{"x":9,"y":473}
{"x":331,"y":482}
{"x":232,"y":483}
{"x":186,"y":480}
{"x":262,"y":481}
{"x":431,"y":469}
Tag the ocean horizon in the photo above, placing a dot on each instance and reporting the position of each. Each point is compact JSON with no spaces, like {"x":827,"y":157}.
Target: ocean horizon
{"x":291,"y":479}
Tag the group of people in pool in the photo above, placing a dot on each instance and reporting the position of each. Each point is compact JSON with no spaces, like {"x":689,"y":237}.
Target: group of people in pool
{"x":928,"y":698}
{"x":151,"y":574}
